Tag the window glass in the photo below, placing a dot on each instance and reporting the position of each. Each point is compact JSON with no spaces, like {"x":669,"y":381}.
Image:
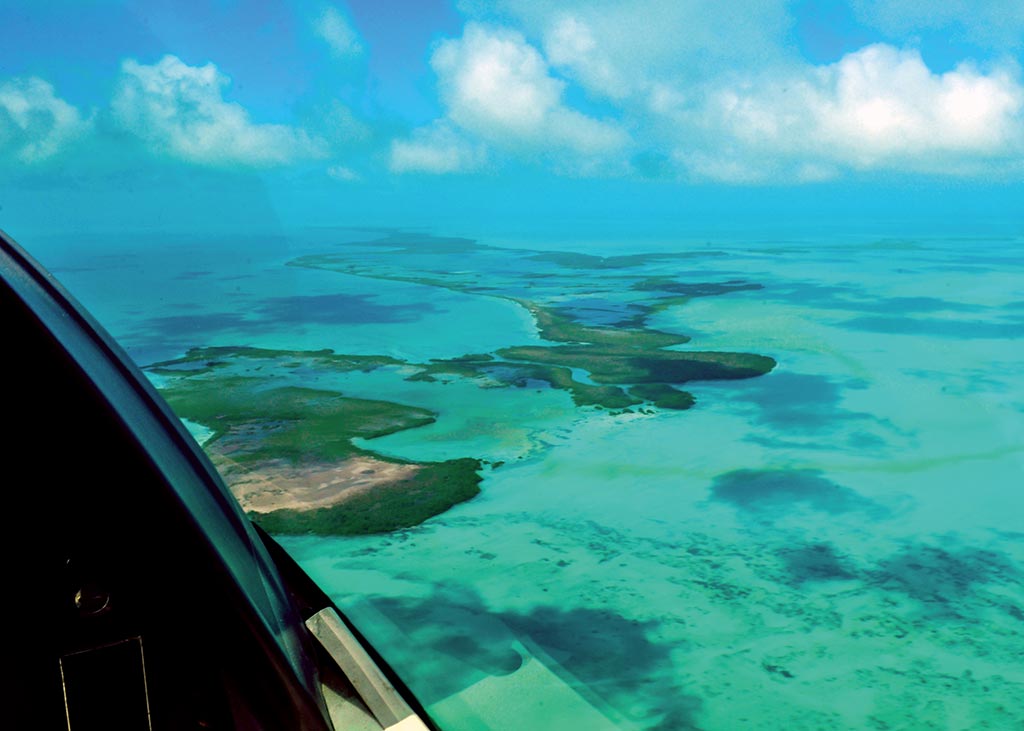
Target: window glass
{"x":621,"y":365}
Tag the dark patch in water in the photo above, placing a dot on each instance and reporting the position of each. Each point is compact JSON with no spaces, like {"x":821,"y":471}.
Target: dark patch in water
{"x":852,"y":298}
{"x":798,"y":401}
{"x":761,"y":491}
{"x":776,"y":670}
{"x":695,"y":289}
{"x":866,"y":440}
{"x":938,"y":576}
{"x":960,"y":329}
{"x":466,"y":646}
{"x":273,"y":314}
{"x":601,"y":312}
{"x":162,"y":328}
{"x":592,"y":649}
{"x":337,"y":308}
{"x":194,"y":274}
{"x":814,"y":562}
{"x":458,"y":627}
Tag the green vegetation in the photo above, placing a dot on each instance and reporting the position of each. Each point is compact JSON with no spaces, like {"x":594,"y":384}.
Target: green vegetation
{"x":663,"y":303}
{"x":560,"y":328}
{"x":402,"y":504}
{"x":634,"y":357}
{"x":663,"y":396}
{"x":471,"y":358}
{"x":454,"y":367}
{"x":200,"y":360}
{"x":252,"y":422}
{"x":520,"y":374}
{"x":245,"y":396}
{"x":614,"y":357}
{"x":629,"y":365}
{"x":628,"y":361}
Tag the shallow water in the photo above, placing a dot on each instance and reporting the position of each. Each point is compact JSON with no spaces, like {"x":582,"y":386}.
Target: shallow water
{"x":835,"y":545}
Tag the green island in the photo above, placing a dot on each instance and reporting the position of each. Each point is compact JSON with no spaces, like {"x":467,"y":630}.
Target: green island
{"x":399,"y":504}
{"x":628,"y":362}
{"x":287,"y":453}
{"x":519,"y":375}
{"x":626,"y":357}
{"x":204,"y":360}
{"x":626,"y":370}
{"x":559,"y":327}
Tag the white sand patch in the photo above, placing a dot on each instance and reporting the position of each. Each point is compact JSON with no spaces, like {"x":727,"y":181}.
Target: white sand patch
{"x":277,"y":485}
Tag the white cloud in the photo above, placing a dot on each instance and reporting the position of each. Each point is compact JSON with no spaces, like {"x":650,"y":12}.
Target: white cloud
{"x":615,"y":48}
{"x":499,"y":94}
{"x":436,"y":149}
{"x":492,"y":81}
{"x":342,"y":173}
{"x":498,"y":87}
{"x":179,"y":110}
{"x":878,"y":108}
{"x":35,"y":124}
{"x":338,"y":32}
{"x":720,"y":93}
{"x":569,"y":43}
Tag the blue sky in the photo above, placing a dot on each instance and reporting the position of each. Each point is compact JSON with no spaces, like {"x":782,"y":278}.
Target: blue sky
{"x":511,"y":113}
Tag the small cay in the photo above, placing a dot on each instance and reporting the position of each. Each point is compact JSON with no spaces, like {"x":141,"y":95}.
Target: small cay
{"x":287,"y":454}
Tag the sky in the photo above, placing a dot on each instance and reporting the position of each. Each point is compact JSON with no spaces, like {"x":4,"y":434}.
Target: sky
{"x":519,"y":115}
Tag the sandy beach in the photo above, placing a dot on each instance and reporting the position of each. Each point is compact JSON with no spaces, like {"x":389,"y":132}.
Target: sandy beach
{"x":278,"y":485}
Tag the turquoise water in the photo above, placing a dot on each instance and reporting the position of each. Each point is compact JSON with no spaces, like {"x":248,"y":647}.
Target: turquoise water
{"x":835,"y":545}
